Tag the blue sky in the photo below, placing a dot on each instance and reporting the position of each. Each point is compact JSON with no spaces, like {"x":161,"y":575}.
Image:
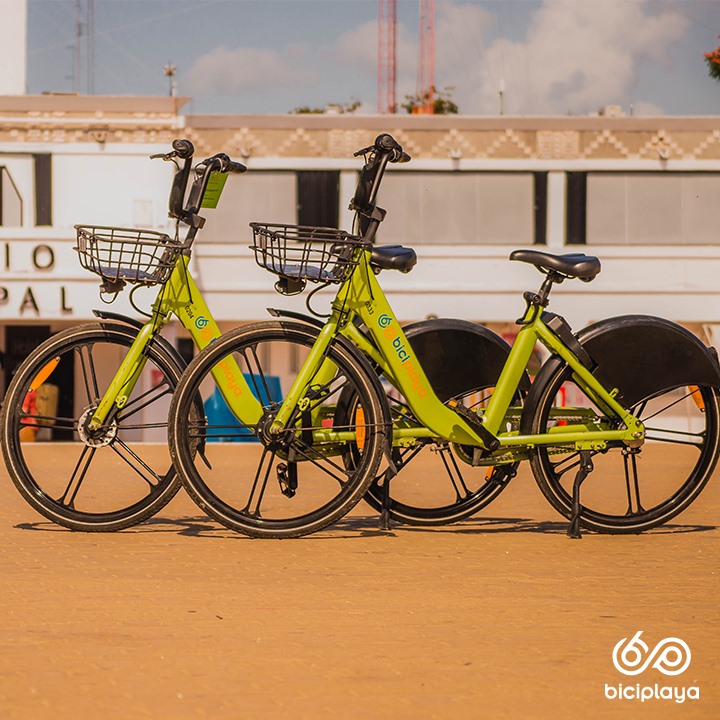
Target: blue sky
{"x":555,"y":57}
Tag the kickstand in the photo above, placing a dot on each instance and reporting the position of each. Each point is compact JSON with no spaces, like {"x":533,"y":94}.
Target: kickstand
{"x":586,"y":467}
{"x":395,"y":460}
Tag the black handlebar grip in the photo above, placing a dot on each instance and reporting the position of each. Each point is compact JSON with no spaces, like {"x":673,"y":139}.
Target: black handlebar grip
{"x":234,"y":167}
{"x":226,"y":164}
{"x":386,"y":143}
{"x":183,"y":148}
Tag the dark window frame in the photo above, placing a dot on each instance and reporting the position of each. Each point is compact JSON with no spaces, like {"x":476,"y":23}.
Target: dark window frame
{"x":43,"y":189}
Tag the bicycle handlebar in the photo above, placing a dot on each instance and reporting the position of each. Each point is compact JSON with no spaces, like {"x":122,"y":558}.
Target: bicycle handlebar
{"x":386,"y":145}
{"x":385,"y":149}
{"x":223,"y":162}
{"x":183,"y":149}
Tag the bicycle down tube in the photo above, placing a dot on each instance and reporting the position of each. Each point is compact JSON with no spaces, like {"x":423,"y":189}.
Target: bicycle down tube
{"x":180,"y":297}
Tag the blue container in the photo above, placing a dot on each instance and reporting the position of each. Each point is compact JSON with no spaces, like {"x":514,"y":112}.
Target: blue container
{"x":218,"y":412}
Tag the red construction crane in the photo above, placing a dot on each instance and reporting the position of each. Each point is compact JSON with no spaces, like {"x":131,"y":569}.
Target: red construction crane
{"x":426,"y":74}
{"x":387,"y":48}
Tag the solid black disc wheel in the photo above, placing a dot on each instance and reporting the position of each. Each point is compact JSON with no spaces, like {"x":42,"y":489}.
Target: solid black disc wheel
{"x":299,"y":484}
{"x":631,"y":490}
{"x":95,"y":482}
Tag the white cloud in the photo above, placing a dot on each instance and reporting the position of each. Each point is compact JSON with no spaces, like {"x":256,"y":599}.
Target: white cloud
{"x":358,"y":49}
{"x":576,"y":57}
{"x":229,"y":72}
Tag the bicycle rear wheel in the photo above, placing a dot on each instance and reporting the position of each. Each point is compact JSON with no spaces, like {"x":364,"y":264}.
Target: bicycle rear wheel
{"x":631,"y":490}
{"x":92,"y":482}
{"x":462,"y":361}
{"x":293,"y":483}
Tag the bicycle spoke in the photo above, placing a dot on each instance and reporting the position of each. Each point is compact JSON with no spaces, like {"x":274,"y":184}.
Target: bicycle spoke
{"x":255,"y":370}
{"x":143,"y":400}
{"x":76,"y":479}
{"x":305,"y":450}
{"x":257,"y":492}
{"x":572,"y":460}
{"x":60,"y":423}
{"x":453,"y":471}
{"x":138,"y":459}
{"x":324,"y":392}
{"x":698,"y":444}
{"x":667,"y":407}
{"x":84,"y":353}
{"x":631,"y":483}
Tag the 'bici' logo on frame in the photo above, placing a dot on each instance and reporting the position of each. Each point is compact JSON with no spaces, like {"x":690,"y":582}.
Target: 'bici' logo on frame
{"x":670,"y":656}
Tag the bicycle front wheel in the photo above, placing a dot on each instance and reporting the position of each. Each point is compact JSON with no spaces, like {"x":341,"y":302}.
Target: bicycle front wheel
{"x":95,"y":482}
{"x":294,"y":483}
{"x":631,"y":489}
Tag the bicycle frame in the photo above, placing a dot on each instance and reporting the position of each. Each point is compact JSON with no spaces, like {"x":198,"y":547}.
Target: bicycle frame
{"x":386,"y":344}
{"x":180,"y":297}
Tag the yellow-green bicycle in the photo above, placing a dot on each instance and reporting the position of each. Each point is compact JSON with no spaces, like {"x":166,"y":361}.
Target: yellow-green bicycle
{"x":109,"y":467}
{"x":637,"y":384}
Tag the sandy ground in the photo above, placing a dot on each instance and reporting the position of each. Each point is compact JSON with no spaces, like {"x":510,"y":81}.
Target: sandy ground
{"x":500,"y":616}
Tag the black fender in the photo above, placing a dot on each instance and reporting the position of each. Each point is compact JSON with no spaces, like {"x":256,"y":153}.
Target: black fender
{"x":309,"y":319}
{"x":639,"y":355}
{"x":139,"y":324}
{"x":458,"y":356}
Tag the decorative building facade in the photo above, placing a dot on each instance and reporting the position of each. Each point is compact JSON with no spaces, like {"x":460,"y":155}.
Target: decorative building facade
{"x":641,"y":193}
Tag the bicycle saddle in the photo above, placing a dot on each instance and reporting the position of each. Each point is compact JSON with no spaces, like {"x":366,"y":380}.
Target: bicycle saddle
{"x":572,"y":265}
{"x":393,"y":257}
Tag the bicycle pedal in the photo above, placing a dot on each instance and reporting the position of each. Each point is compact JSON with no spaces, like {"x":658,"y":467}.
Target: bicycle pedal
{"x":502,"y":475}
{"x":287,"y":478}
{"x":474,"y":421}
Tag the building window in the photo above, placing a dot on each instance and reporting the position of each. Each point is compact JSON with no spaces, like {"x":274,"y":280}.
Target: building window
{"x":257,"y":196}
{"x":43,"y":189}
{"x":576,"y":208}
{"x":640,"y":208}
{"x":541,"y":194}
{"x":318,"y":197}
{"x":462,"y":208}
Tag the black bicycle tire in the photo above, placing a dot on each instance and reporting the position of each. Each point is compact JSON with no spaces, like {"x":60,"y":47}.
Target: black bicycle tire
{"x":21,"y":476}
{"x":660,"y":513}
{"x":180,"y":436}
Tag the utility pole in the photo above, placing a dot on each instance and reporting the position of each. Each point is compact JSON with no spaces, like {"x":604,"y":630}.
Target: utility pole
{"x":170,"y":70}
{"x":77,"y":50}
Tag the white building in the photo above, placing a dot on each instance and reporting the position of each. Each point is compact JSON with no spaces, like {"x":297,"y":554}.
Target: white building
{"x":641,"y":193}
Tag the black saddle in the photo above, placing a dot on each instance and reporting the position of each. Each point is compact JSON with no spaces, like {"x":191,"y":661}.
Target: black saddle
{"x":393,"y":257}
{"x":572,"y":265}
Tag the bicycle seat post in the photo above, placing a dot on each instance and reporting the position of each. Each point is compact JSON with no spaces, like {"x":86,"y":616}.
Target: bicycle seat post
{"x":544,"y":293}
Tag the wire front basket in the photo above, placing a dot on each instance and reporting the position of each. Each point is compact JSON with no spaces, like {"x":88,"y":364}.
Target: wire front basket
{"x":305,"y":253}
{"x":127,"y":255}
